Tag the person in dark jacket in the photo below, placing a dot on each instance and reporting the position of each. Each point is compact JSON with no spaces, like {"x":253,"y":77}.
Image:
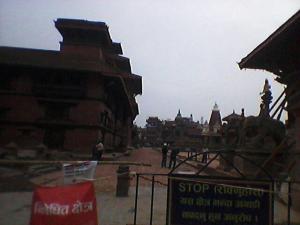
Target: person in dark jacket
{"x":164,"y":152}
{"x":205,"y":155}
{"x":173,"y":156}
{"x":97,"y":151}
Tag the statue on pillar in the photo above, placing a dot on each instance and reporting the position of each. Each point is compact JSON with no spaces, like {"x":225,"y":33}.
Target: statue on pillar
{"x":266,"y":99}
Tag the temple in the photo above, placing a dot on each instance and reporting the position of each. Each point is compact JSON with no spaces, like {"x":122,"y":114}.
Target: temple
{"x":280,"y":55}
{"x":71,"y":98}
{"x":214,"y":136}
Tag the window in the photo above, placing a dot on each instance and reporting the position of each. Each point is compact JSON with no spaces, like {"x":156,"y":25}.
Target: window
{"x":5,"y":82}
{"x":3,"y":112}
{"x":104,"y":118}
{"x":54,"y":138}
{"x":57,"y":111}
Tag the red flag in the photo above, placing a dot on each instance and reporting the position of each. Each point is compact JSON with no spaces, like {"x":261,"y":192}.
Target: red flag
{"x":66,"y":205}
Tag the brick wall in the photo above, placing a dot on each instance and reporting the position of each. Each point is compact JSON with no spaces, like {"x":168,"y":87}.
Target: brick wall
{"x":80,"y":140}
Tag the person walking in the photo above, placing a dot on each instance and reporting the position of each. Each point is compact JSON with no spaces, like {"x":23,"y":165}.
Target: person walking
{"x":164,"y":152}
{"x":97,"y":151}
{"x":204,"y":156}
{"x":173,"y":156}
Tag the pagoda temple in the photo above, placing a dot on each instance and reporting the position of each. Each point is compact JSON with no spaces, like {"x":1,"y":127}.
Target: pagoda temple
{"x":280,"y":55}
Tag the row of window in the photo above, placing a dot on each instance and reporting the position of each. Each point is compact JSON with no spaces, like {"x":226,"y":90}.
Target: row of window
{"x":55,"y":80}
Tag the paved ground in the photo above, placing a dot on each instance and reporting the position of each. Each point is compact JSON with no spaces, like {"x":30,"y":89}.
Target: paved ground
{"x":111,"y":210}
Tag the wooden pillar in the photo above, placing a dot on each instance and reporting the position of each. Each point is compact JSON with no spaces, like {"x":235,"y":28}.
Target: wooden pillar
{"x":296,"y":151}
{"x":295,"y":155}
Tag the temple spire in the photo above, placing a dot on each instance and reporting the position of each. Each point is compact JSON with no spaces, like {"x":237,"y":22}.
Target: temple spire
{"x":216,"y":107}
{"x":178,"y":114}
{"x":266,"y":99}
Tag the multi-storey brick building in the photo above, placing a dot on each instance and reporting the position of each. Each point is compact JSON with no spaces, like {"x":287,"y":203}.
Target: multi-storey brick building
{"x":68,"y":99}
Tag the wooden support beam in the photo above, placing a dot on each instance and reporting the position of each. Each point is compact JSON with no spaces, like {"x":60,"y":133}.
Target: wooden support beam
{"x":272,"y":156}
{"x":35,"y":162}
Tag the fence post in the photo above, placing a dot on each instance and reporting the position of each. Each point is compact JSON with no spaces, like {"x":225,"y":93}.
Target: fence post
{"x":136,"y":197}
{"x":152,"y":195}
{"x":289,"y":203}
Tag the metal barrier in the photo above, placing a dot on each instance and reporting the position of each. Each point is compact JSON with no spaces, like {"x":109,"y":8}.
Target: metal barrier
{"x":153,"y":181}
{"x":152,"y":177}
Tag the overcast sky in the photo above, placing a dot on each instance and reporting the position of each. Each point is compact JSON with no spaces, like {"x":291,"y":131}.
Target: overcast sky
{"x":186,"y":51}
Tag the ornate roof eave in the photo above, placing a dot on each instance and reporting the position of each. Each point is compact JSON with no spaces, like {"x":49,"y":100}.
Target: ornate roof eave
{"x":262,"y":57}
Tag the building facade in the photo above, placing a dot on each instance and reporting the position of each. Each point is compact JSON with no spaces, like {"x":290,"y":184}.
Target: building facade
{"x":185,"y":133}
{"x":182,"y":132}
{"x":71,"y":98}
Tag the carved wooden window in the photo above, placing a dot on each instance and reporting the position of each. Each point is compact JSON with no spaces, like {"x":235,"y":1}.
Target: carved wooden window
{"x":54,"y":138}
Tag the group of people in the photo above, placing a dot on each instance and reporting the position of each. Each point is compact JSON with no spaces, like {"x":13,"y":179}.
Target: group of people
{"x":173,"y":155}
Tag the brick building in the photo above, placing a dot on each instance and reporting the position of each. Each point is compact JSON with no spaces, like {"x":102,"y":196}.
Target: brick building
{"x":187,"y":133}
{"x":68,"y":99}
{"x":182,"y":132}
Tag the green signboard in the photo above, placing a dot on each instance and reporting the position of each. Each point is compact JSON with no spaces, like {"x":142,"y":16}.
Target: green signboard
{"x":208,"y":201}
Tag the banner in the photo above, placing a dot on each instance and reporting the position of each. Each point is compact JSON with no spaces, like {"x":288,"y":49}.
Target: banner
{"x":79,"y":171}
{"x":66,"y":205}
